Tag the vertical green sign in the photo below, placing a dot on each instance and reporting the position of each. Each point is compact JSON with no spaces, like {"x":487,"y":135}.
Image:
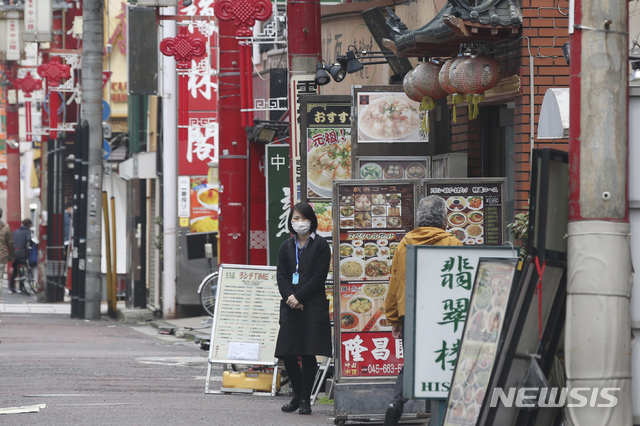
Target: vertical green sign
{"x":278,"y":198}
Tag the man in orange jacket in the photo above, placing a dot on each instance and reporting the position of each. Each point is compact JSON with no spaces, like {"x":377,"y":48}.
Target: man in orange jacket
{"x":432,"y":222}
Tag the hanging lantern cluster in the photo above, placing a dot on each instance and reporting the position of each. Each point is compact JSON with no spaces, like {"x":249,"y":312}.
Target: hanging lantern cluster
{"x":463,"y":77}
{"x":421,"y":85}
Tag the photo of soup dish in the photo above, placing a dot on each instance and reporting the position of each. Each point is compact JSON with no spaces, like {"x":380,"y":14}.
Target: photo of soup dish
{"x":457,"y":219}
{"x":360,"y":305}
{"x":348,"y":320}
{"x":370,"y":249}
{"x":393,"y":222}
{"x":346,"y":250}
{"x":326,"y":163}
{"x":392,"y":249}
{"x":389,"y":117}
{"x":379,"y":211}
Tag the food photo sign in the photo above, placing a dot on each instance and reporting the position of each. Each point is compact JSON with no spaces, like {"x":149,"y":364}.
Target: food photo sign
{"x":369,"y":222}
{"x":437,"y":307}
{"x":373,"y":168}
{"x":389,"y":117}
{"x":475,"y":208}
{"x":488,"y":306}
{"x":325,"y":124}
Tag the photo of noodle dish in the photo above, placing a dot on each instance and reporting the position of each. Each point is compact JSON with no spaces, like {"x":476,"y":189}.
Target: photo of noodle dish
{"x":348,"y":320}
{"x":326,"y":163}
{"x":351,"y":267}
{"x":374,"y":291}
{"x":377,"y":267}
{"x":474,"y":231}
{"x":389,"y":117}
{"x":360,"y":305}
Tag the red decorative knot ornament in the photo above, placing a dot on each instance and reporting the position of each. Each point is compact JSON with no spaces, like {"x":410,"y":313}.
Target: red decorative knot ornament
{"x":183,"y":47}
{"x":244,"y":14}
{"x":27,"y":84}
{"x":54,"y":71}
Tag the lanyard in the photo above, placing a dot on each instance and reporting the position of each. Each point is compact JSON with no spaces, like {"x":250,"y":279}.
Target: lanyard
{"x":298,"y":254}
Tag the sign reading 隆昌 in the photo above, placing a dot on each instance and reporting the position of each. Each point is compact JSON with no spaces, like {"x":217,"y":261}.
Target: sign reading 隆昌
{"x":438,"y":290}
{"x":278,"y":198}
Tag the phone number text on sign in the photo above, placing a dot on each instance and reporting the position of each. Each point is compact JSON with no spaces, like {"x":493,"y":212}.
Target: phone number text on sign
{"x":370,"y":354}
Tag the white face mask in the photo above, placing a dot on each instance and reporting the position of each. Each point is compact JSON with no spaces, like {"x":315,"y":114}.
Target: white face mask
{"x":301,"y":227}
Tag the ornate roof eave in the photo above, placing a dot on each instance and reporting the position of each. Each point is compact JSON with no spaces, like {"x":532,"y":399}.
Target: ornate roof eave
{"x":454,"y":25}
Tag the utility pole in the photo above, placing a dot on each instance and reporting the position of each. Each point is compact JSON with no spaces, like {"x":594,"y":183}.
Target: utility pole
{"x":599,"y":272}
{"x":304,"y":47}
{"x":91,"y":111}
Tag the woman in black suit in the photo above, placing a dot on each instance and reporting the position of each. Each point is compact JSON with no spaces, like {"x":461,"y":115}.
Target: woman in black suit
{"x":305,"y":328}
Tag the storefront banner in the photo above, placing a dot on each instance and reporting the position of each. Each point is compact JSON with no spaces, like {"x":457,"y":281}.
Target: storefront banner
{"x":299,"y":85}
{"x":278,"y":198}
{"x":438,"y":289}
{"x":204,"y":206}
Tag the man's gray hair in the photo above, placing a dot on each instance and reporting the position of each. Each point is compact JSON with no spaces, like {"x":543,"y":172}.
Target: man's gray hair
{"x":432,"y":212}
{"x":0,"y":212}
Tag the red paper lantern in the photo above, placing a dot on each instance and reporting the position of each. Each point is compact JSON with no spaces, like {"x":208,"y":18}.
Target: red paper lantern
{"x":478,"y":74}
{"x":426,"y":77}
{"x":453,"y":73}
{"x":444,"y":79}
{"x":410,"y":89}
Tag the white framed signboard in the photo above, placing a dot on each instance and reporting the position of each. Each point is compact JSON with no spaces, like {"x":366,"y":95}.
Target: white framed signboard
{"x":438,"y":290}
{"x":245,"y":323}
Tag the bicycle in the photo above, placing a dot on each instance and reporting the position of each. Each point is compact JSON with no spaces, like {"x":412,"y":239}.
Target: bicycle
{"x":25,"y":279}
{"x":207,"y":291}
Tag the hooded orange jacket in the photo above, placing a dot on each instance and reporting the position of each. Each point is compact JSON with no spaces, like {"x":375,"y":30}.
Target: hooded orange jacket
{"x":394,"y":302}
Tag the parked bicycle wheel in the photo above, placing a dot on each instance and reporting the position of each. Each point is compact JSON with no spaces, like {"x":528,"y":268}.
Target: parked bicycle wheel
{"x":22,"y":279}
{"x":208,"y":288}
{"x":30,"y":281}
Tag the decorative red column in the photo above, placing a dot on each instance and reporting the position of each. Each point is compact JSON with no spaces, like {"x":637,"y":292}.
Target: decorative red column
{"x":235,"y":94}
{"x":28,"y":84}
{"x":183,"y":47}
{"x":54,"y":72}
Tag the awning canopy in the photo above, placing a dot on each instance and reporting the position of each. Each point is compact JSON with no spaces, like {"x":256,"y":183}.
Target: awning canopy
{"x":554,"y":114}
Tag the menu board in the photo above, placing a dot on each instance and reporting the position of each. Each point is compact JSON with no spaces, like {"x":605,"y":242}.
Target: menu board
{"x":371,"y":221}
{"x":389,"y":117}
{"x":488,"y":305}
{"x":325,"y":123}
{"x":475,"y":209}
{"x":246,"y":319}
{"x":394,"y":168}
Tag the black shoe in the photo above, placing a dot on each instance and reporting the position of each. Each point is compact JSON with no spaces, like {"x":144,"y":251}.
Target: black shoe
{"x":292,"y":406}
{"x":305,"y":407}
{"x":393,"y":414}
{"x":11,"y":291}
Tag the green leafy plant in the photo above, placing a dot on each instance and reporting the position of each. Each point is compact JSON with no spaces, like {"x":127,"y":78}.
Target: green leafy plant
{"x":519,"y":228}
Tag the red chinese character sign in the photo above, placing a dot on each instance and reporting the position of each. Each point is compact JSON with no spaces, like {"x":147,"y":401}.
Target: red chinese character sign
{"x":183,"y":47}
{"x":54,"y":72}
{"x":244,"y":14}
{"x":28,"y":84}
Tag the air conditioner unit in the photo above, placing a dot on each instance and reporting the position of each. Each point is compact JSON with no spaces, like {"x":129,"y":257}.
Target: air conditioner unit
{"x":155,"y":3}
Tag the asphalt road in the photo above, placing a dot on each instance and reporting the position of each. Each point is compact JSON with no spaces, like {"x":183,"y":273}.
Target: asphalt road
{"x":81,"y":372}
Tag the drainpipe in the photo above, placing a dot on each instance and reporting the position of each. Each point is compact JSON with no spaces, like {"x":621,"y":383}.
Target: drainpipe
{"x":599,"y":280}
{"x":169,"y":173}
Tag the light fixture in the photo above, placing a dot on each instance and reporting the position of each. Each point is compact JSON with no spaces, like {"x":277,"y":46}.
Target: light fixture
{"x":265,"y":131}
{"x":566,"y":51}
{"x":322,"y":76}
{"x":338,"y":70}
{"x":187,"y":3}
{"x":635,"y":75}
{"x":353,"y":65}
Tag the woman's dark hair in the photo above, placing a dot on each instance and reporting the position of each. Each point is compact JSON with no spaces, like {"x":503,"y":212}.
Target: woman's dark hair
{"x":307,"y":211}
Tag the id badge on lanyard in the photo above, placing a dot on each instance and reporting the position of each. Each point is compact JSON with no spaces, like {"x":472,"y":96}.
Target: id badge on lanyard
{"x":295,"y":278}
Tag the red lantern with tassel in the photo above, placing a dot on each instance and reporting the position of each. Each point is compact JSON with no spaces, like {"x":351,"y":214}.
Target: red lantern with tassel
{"x":425,"y":76}
{"x":447,"y":79}
{"x":410,"y":89}
{"x":475,"y":76}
